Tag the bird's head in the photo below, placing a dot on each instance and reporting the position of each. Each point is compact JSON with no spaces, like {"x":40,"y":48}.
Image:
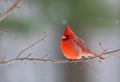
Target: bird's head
{"x":68,"y":34}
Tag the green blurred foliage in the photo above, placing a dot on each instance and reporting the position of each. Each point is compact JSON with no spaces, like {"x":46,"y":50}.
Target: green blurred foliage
{"x":91,"y":12}
{"x":80,"y":12}
{"x":14,"y":25}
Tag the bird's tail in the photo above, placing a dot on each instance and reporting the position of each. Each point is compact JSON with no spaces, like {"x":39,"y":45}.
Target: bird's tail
{"x":95,"y":55}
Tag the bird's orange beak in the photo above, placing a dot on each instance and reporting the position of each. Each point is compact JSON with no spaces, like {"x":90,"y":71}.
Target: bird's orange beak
{"x":63,"y":37}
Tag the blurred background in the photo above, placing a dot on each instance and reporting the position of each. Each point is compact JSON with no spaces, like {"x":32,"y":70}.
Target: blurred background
{"x":93,"y":20}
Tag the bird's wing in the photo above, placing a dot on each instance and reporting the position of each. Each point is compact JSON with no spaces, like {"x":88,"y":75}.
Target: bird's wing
{"x":79,"y":42}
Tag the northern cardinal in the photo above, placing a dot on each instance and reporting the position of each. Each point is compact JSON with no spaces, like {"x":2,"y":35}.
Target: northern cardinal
{"x":73,"y":47}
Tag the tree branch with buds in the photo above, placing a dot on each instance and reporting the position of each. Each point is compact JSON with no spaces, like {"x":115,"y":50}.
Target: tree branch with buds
{"x":13,"y":7}
{"x":50,"y":60}
{"x":28,"y":58}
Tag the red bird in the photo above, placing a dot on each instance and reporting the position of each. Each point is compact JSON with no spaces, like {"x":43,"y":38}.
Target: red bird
{"x":73,"y":47}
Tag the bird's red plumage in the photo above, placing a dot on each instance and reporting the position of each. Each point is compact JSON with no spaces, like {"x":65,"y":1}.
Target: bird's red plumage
{"x":73,"y":47}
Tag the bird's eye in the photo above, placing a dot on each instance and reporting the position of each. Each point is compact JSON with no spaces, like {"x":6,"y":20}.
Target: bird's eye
{"x":65,"y":37}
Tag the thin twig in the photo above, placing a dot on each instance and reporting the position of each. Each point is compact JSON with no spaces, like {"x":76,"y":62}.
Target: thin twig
{"x":13,"y":7}
{"x":30,"y":46}
{"x":110,"y":52}
{"x":7,"y":61}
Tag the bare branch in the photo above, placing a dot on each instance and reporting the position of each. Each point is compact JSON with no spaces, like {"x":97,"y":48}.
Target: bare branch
{"x":110,"y":52}
{"x":13,"y":7}
{"x":7,"y":61}
{"x":30,"y":46}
